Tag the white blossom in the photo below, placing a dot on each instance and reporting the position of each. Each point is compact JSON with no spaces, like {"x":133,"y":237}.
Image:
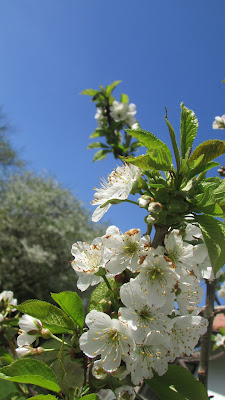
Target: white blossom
{"x":88,"y":260}
{"x":98,"y":371}
{"x":99,"y":116}
{"x":118,"y":186}
{"x":7,"y":297}
{"x":125,"y":393}
{"x":124,"y":112}
{"x":106,"y":337}
{"x":123,"y":250}
{"x":29,"y":329}
{"x":152,"y":355}
{"x":219,"y":122}
{"x":219,"y":340}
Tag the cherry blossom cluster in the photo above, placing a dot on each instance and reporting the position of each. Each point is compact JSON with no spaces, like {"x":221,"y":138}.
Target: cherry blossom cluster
{"x":7,"y":304}
{"x":119,"y":112}
{"x":219,"y":122}
{"x":157,"y":319}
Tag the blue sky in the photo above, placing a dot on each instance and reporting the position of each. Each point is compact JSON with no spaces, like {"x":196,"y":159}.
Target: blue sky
{"x":164,"y":52}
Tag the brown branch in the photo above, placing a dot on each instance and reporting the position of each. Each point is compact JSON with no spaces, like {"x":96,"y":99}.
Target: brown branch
{"x":206,"y":338}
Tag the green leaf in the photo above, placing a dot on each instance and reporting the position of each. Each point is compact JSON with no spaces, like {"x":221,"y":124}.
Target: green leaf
{"x":51,"y":316}
{"x":101,"y":294}
{"x":97,"y":133}
{"x":174,"y":143}
{"x":90,"y":92}
{"x":214,"y":235}
{"x":188,"y":129}
{"x":199,"y":167}
{"x":135,"y":145}
{"x":100,"y":155}
{"x":31,"y":371}
{"x":72,"y":304}
{"x":177,"y":384}
{"x":5,"y":357}
{"x":219,"y":192}
{"x":111,"y":87}
{"x":211,"y":149}
{"x":96,"y":145}
{"x":124,"y":98}
{"x":147,"y":161}
{"x":91,"y":397}
{"x":43,"y":397}
{"x":156,"y":148}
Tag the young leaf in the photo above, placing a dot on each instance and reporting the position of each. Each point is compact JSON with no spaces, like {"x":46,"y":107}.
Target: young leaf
{"x":177,"y":384}
{"x":90,"y":397}
{"x":96,"y":145}
{"x":156,"y":160}
{"x":72,"y":304}
{"x":90,"y":92}
{"x":101,"y":294}
{"x":31,"y":371}
{"x":51,"y":316}
{"x":100,"y":155}
{"x":135,"y":145}
{"x":211,"y":149}
{"x":174,"y":143}
{"x":97,"y":133}
{"x":124,"y":98}
{"x":214,"y":235}
{"x":188,"y":129}
{"x":151,"y":142}
{"x":111,"y":87}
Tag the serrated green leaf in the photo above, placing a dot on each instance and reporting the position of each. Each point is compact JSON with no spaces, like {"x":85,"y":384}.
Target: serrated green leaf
{"x":211,"y":149}
{"x":124,"y":98}
{"x":111,"y":87}
{"x":72,"y":304}
{"x":100,"y":155}
{"x":97,"y":133}
{"x":214,"y":235}
{"x":89,"y":92}
{"x":96,"y":145}
{"x":147,"y":161}
{"x":177,"y":384}
{"x":157,"y":150}
{"x":51,"y":316}
{"x":188,"y":129}
{"x":43,"y":397}
{"x":31,"y":371}
{"x":219,"y":192}
{"x":201,"y":168}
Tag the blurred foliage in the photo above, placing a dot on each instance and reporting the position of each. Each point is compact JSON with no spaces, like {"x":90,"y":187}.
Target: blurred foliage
{"x":39,"y":222}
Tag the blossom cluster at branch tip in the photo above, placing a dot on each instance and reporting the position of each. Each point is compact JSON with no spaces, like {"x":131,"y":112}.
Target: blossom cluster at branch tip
{"x":117,"y":187}
{"x":157,"y":319}
{"x":124,"y":112}
{"x":219,"y":122}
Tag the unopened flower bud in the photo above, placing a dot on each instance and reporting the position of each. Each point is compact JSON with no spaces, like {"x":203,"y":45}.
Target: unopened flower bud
{"x":150,"y":220}
{"x":143,"y":202}
{"x":155,"y":207}
{"x":45,"y":333}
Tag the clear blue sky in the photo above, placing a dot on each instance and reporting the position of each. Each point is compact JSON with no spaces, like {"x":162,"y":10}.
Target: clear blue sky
{"x":164,"y":51}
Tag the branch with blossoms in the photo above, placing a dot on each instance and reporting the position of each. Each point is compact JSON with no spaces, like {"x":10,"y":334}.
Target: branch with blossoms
{"x":113,"y":117}
{"x":143,"y":314}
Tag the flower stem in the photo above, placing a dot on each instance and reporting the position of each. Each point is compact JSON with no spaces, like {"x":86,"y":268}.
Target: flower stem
{"x":60,"y":340}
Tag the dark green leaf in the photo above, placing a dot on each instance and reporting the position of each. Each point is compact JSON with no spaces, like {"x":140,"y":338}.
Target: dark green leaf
{"x":177,"y":384}
{"x":124,"y":98}
{"x":51,"y":316}
{"x":188,"y":129}
{"x":100,"y":155}
{"x":111,"y":87}
{"x":72,"y":304}
{"x":96,"y":145}
{"x":31,"y":371}
{"x":214,"y":235}
{"x":210,"y":149}
{"x":5,"y":357}
{"x":90,"y":92}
